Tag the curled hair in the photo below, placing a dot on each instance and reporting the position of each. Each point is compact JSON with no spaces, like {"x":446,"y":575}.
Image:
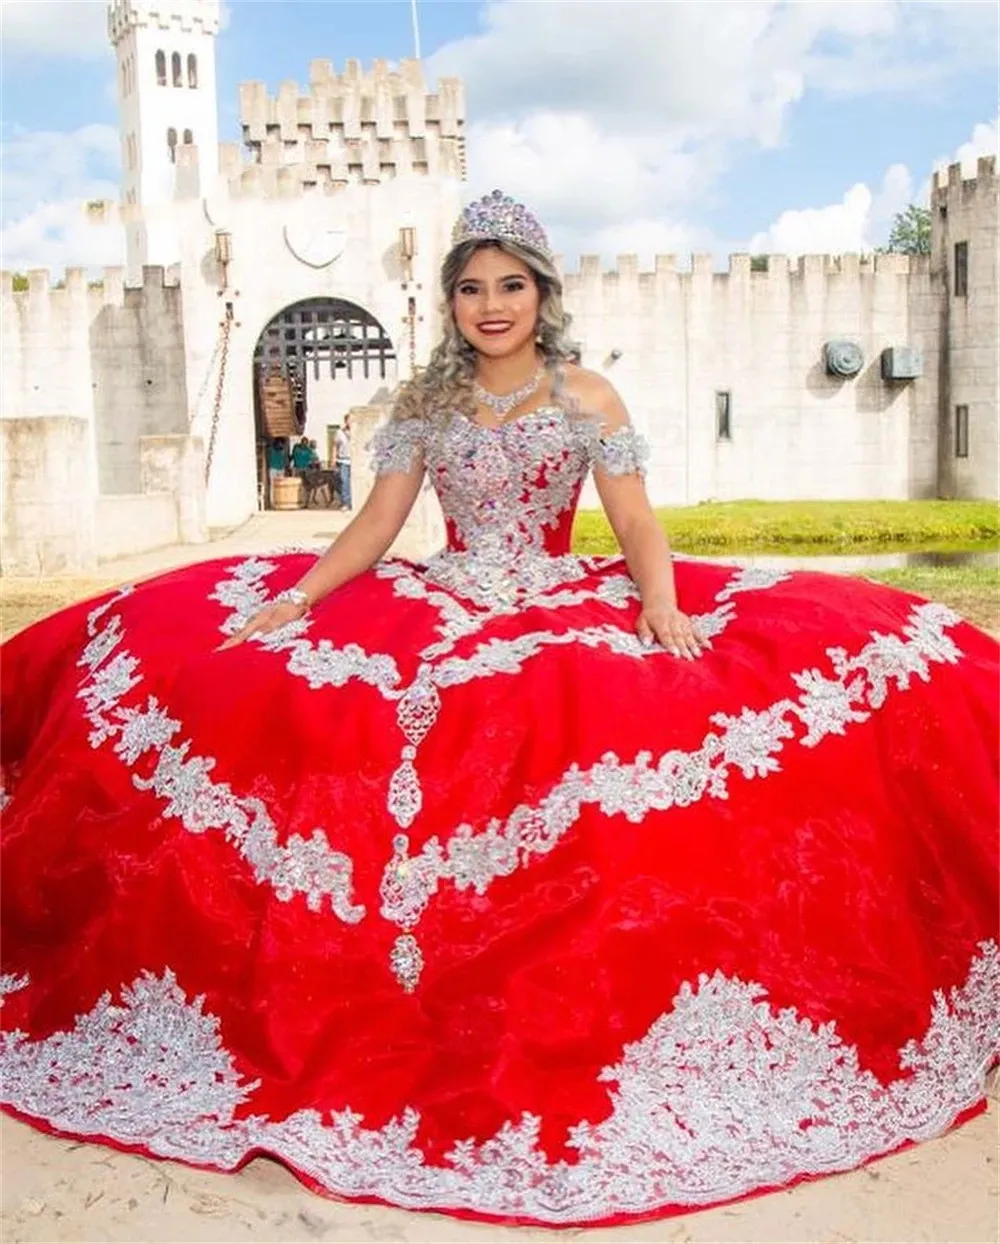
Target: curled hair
{"x":445,"y":385}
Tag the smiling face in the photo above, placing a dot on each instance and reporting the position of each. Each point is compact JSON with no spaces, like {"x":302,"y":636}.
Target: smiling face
{"x":496,"y":303}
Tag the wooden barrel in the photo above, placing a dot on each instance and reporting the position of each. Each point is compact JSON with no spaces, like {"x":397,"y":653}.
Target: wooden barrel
{"x":287,"y":494}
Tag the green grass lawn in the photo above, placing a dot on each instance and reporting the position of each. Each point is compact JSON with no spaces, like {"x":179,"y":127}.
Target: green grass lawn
{"x":741,"y":526}
{"x":808,"y":526}
{"x":972,"y":591}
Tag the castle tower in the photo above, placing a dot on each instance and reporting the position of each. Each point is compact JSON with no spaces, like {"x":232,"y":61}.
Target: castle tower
{"x":964,"y":256}
{"x":166,"y":99}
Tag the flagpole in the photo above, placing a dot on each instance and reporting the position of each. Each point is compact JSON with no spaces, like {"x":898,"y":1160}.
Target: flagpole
{"x":416,"y":29}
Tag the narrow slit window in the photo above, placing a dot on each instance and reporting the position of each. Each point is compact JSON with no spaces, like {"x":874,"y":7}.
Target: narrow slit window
{"x":161,"y":68}
{"x":172,"y":144}
{"x":175,"y":65}
{"x":192,"y":70}
{"x":723,"y":416}
{"x":961,"y":431}
{"x":961,"y":269}
{"x":188,"y":137}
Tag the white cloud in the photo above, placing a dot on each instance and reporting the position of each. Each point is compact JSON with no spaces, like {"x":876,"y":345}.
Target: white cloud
{"x":74,"y":29}
{"x":836,"y":228}
{"x":863,"y":218}
{"x":984,"y":141}
{"x":48,"y":177}
{"x":620,"y":120}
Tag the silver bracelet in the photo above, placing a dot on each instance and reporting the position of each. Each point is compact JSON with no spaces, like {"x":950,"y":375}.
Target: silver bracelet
{"x":292,"y":596}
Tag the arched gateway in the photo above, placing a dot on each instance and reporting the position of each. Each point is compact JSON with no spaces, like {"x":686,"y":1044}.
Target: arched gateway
{"x":313,"y":362}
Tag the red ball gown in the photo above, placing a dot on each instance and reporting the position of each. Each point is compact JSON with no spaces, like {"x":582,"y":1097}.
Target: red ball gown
{"x":456,"y":897}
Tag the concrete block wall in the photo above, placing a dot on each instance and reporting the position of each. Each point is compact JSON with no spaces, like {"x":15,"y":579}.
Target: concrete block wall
{"x":94,"y":421}
{"x":136,"y":342}
{"x":682,"y":336}
{"x":964,"y":209}
{"x":47,"y":520}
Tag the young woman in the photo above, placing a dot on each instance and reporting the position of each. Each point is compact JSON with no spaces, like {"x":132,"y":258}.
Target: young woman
{"x":517,"y":885}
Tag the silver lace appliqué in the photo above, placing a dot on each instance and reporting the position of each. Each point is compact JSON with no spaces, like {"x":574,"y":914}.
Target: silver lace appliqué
{"x":306,"y":866}
{"x":748,"y":743}
{"x":723,"y":1095}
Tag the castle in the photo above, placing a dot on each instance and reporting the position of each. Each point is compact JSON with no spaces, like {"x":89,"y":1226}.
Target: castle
{"x":131,"y":407}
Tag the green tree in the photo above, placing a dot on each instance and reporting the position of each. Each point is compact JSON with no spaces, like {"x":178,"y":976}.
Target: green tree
{"x":911,"y":233}
{"x":20,"y":282}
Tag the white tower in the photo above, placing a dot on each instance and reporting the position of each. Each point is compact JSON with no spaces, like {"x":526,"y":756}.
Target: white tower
{"x":166,"y":99}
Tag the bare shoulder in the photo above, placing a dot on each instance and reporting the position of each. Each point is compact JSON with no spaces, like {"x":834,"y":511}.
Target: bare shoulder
{"x":596,"y":395}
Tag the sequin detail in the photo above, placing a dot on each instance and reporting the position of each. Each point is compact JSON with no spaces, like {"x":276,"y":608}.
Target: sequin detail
{"x":722,"y":1095}
{"x":10,"y":983}
{"x":748,"y":743}
{"x":148,"y":1071}
{"x":306,"y":866}
{"x":498,"y":217}
{"x":397,"y":446}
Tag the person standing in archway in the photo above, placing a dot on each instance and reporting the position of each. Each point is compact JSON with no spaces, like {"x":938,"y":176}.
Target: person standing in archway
{"x":342,"y":460}
{"x":277,"y":464}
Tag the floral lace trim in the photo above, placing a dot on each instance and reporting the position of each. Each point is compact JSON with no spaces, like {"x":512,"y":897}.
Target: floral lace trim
{"x":418,"y":704}
{"x":748,"y":743}
{"x":397,"y":446}
{"x":624,"y":452}
{"x":307,"y":866}
{"x":723,"y":1095}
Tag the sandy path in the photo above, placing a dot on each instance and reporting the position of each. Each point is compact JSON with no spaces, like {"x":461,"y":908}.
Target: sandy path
{"x":945,"y":1190}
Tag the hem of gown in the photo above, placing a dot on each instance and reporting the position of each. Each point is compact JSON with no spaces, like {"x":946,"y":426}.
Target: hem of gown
{"x":669,"y":1210}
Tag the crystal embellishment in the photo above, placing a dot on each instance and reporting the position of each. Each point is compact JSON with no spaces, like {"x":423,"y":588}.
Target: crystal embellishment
{"x":502,"y":404}
{"x":496,"y":217}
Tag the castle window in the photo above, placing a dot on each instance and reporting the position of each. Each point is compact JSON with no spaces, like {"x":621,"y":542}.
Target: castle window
{"x":723,"y":411}
{"x":961,"y":269}
{"x":172,"y":144}
{"x":188,"y":137}
{"x":192,"y":70}
{"x":961,"y":431}
{"x":161,"y":69}
{"x":175,"y":66}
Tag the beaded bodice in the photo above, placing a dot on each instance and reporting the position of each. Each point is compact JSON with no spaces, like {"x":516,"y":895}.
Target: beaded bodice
{"x":508,"y":493}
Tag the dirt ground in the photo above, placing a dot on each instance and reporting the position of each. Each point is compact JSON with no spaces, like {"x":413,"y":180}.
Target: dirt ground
{"x":57,"y":1190}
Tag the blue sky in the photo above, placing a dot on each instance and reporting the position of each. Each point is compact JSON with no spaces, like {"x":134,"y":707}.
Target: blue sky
{"x":630,"y":127}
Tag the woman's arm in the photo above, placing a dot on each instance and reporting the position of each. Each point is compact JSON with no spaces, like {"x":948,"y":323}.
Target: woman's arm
{"x":639,"y":534}
{"x":363,"y":542}
{"x":367,"y":537}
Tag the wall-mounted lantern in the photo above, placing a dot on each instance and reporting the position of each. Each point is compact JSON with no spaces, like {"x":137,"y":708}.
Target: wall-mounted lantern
{"x":224,"y":253}
{"x":408,"y":249}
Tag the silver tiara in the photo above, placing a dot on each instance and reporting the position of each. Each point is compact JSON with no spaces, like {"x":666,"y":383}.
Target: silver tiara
{"x":497,"y":217}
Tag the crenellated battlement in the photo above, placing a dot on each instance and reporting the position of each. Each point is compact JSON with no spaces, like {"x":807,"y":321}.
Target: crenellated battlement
{"x":355,"y":127}
{"x":951,"y":182}
{"x":186,"y":16}
{"x":741,"y":267}
{"x":76,"y":288}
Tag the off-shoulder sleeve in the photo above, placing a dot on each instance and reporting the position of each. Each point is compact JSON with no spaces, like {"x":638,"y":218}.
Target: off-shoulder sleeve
{"x":398,"y":446}
{"x":623,"y":452}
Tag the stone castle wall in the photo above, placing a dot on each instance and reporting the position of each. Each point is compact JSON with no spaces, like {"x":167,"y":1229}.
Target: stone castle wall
{"x":351,"y":128}
{"x":121,"y":379}
{"x":94,"y":439}
{"x":964,"y":210}
{"x":672,"y":340}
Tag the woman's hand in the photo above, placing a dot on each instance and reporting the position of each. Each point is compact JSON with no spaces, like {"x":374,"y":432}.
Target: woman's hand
{"x":674,"y":630}
{"x":268,"y":619}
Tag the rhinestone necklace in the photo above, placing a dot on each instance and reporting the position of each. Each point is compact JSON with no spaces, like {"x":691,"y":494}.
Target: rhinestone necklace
{"x":501,"y":405}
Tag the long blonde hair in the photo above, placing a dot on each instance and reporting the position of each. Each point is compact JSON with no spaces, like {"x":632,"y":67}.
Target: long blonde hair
{"x":445,"y":385}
